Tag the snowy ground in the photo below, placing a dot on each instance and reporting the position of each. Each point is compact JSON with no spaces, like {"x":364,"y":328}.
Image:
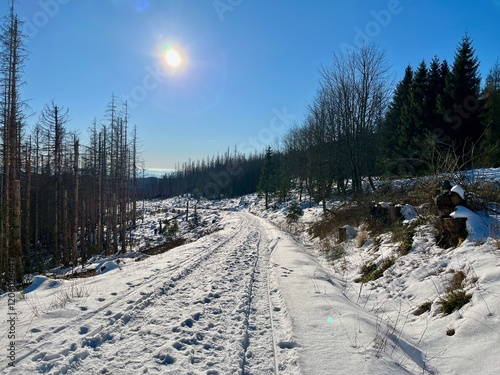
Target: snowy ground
{"x":248,"y":298}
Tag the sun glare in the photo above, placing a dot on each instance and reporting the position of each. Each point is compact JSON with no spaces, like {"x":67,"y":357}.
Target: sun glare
{"x":173,"y":58}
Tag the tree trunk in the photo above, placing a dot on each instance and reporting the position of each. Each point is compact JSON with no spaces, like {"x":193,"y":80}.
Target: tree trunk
{"x":114,"y":224}
{"x":27,"y":217}
{"x":74,"y":251}
{"x":16,"y":232}
{"x":65,"y":230}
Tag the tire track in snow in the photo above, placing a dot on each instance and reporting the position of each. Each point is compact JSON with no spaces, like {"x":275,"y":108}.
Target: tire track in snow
{"x":97,"y":337}
{"x":223,"y":311}
{"x":270,"y":306}
{"x":250,"y":289}
{"x":214,"y":312}
{"x":283,"y":343}
{"x":228,"y":315}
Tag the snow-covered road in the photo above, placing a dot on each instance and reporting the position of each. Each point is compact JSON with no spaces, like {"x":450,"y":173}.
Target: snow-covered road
{"x":248,"y":299}
{"x":204,"y":308}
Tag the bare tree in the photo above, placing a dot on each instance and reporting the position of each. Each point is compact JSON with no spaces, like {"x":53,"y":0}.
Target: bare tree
{"x":12,"y":57}
{"x":74,"y":234}
{"x":53,"y":120}
{"x":358,"y":87}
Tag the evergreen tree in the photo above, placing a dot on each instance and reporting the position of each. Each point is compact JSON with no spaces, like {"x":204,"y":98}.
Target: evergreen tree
{"x":460,"y":103}
{"x":445,"y":72}
{"x":391,"y":130}
{"x":267,"y":181}
{"x":414,"y":109}
{"x":491,"y":95}
{"x":436,"y":79}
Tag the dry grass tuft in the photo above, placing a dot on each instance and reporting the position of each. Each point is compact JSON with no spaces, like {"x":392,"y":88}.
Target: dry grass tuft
{"x":456,"y":282}
{"x":362,"y":238}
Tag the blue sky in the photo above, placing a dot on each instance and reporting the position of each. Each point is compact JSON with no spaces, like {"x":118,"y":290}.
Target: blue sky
{"x":250,"y":66}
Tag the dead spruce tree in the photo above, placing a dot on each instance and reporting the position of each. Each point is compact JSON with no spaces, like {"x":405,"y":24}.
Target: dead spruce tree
{"x":12,"y":56}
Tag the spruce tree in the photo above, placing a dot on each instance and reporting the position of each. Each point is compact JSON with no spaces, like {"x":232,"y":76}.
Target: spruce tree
{"x":445,"y":72}
{"x":414,"y":110}
{"x":12,"y":57}
{"x":267,"y":181}
{"x":391,"y":131}
{"x":460,"y":104}
{"x":414,"y":119}
{"x":436,"y":84}
{"x":491,"y":95}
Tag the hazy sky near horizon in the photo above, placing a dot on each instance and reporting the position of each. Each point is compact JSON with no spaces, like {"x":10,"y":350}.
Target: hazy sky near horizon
{"x":249,"y":67}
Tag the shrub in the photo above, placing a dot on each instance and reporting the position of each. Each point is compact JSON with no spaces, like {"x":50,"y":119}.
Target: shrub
{"x":336,"y":253}
{"x":295,"y":211}
{"x":404,"y":235}
{"x":348,"y":214}
{"x":370,"y":272}
{"x":405,"y":239}
{"x":454,"y":301}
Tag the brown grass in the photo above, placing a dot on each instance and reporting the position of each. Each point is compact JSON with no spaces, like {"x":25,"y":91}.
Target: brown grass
{"x":456,"y":282}
{"x":362,"y":238}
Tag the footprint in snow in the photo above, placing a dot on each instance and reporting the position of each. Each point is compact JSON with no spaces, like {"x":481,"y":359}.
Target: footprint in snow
{"x":165,"y":359}
{"x":188,"y":322}
{"x":83,"y":330}
{"x":178,"y":346}
{"x":197,"y":316}
{"x":205,"y":301}
{"x":287,"y":345}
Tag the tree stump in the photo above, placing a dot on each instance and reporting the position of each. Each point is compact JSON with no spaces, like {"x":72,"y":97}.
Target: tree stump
{"x":342,"y":234}
{"x":395,"y":213}
{"x":452,"y":231}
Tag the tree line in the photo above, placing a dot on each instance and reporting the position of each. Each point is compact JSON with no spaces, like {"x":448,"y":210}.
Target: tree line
{"x":220,"y":176}
{"x":437,"y":119}
{"x":61,"y":201}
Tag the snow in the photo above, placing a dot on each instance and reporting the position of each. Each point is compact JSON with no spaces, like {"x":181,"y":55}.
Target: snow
{"x":477,"y":228}
{"x":408,"y":212}
{"x":244,"y":296}
{"x":459,"y":190}
{"x":350,"y":231}
{"x":42,"y":282}
{"x":106,"y":266}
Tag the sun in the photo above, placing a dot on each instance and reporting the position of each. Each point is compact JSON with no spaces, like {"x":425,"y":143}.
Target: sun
{"x":173,"y":58}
